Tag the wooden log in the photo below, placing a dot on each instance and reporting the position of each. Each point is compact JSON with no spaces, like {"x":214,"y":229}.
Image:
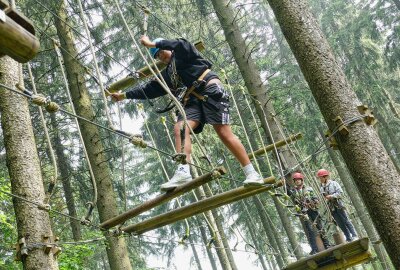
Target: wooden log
{"x":142,"y":73}
{"x":132,"y":79}
{"x":199,"y":207}
{"x":201,"y":180}
{"x":271,"y":147}
{"x":16,"y":41}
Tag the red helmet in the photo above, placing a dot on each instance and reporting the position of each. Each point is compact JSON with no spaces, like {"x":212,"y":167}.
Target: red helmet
{"x":298,"y":176}
{"x":322,"y":172}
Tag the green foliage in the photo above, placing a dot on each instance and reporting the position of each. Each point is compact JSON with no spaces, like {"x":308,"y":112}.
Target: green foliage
{"x":8,"y":229}
{"x":76,"y":257}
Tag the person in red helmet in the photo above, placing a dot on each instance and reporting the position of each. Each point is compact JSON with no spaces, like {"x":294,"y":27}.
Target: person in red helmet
{"x":204,"y":100}
{"x":332,"y":192}
{"x":307,"y":201}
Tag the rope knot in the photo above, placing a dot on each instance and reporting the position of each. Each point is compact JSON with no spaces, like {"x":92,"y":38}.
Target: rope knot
{"x":45,"y":102}
{"x":137,"y":140}
{"x":44,"y":206}
{"x":215,"y":174}
{"x":179,"y":158}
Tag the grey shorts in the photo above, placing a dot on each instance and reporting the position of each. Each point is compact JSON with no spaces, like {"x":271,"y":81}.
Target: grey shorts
{"x":213,"y":111}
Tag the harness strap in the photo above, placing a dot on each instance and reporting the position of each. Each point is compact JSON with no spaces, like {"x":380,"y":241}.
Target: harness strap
{"x":193,"y":87}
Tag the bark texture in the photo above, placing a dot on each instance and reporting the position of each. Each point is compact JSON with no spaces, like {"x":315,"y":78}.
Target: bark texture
{"x":117,"y":251}
{"x":362,"y":150}
{"x":24,"y":170}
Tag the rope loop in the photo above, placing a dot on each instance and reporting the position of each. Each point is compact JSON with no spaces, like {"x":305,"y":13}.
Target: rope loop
{"x":137,"y":140}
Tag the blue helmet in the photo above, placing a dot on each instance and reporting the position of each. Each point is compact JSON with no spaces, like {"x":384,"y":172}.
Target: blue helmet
{"x":154,"y":51}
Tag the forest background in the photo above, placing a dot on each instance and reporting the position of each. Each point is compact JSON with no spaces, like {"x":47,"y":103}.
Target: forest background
{"x":364,"y":36}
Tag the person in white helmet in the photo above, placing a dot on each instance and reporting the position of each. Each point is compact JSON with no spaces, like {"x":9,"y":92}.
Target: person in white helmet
{"x":207,"y":103}
{"x":333,"y":194}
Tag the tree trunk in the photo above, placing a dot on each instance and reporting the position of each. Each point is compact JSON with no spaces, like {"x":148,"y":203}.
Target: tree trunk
{"x":205,"y":241}
{"x":252,"y":79}
{"x":220,"y":228}
{"x":65,"y":169}
{"x":356,"y":201}
{"x":24,"y":170}
{"x":255,"y":240}
{"x":196,"y":256}
{"x":363,"y":152}
{"x":278,"y":248}
{"x":106,"y":204}
{"x":220,"y":249}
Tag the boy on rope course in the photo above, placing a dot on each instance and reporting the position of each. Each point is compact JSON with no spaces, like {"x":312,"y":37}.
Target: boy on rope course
{"x":203,"y":98}
{"x":332,"y":192}
{"x":304,"y":197}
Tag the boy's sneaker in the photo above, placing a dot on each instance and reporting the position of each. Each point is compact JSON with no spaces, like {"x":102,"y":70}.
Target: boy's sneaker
{"x":180,"y":177}
{"x":253,"y":179}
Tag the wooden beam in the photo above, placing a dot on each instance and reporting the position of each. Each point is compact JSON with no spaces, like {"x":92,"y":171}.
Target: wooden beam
{"x":348,"y":262}
{"x":17,"y":38}
{"x":343,"y":255}
{"x":199,"y":207}
{"x":201,"y":180}
{"x":277,"y":144}
{"x":142,"y":73}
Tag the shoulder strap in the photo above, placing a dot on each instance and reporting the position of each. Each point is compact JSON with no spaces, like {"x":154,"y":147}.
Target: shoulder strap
{"x":193,"y":87}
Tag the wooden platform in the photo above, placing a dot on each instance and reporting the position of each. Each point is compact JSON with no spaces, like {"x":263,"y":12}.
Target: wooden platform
{"x":338,"y":257}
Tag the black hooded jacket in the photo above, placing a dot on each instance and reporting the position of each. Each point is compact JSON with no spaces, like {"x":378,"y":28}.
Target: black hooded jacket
{"x":189,"y":66}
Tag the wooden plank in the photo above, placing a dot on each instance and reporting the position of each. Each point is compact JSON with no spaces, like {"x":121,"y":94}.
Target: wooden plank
{"x":142,"y":73}
{"x":277,"y":144}
{"x":349,"y":262}
{"x":17,"y":42}
{"x":344,"y":251}
{"x":199,"y":207}
{"x":20,"y":19}
{"x":201,"y":180}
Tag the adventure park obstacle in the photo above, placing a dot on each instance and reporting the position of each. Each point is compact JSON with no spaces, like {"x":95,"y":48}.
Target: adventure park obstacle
{"x":338,"y":257}
{"x":17,"y":35}
{"x":198,"y":207}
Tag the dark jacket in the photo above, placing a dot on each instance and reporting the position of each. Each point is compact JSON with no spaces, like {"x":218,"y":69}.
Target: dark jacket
{"x":189,"y":65}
